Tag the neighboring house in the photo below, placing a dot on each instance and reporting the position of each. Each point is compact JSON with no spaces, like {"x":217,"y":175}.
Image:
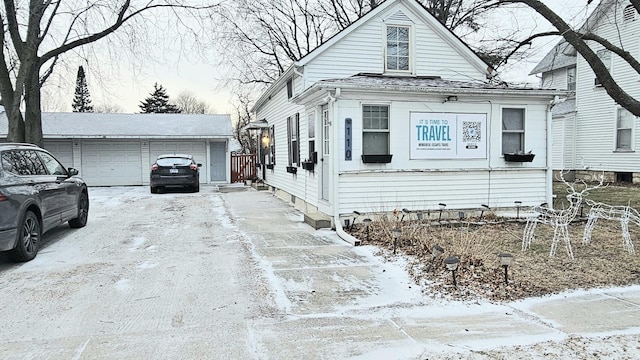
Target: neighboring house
{"x":591,"y":133}
{"x":118,"y":149}
{"x":396,"y":112}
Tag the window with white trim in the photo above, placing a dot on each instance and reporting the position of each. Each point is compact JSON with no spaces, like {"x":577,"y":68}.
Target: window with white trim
{"x":397,"y":49}
{"x":605,"y":57}
{"x":375,"y":129}
{"x":571,"y":78}
{"x":512,"y":130}
{"x":293,"y":131}
{"x":624,"y":129}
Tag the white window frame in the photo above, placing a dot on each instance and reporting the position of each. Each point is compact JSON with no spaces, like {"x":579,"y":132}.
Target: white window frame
{"x":293,"y":139}
{"x":522,"y":131}
{"x":571,"y":75}
{"x":605,"y":57}
{"x":622,"y":111}
{"x":409,"y":44}
{"x":386,"y":131}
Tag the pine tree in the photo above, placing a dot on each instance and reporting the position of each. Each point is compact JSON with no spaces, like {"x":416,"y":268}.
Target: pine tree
{"x":158,"y":102}
{"x":81,"y":98}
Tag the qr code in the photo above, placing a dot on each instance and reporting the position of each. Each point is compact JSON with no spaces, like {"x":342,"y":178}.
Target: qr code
{"x":471,"y":131}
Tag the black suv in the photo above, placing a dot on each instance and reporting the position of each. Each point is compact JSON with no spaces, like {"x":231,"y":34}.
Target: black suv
{"x":36,"y":194}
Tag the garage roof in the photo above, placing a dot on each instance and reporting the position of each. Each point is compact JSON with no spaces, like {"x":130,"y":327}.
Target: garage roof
{"x":101,"y":125}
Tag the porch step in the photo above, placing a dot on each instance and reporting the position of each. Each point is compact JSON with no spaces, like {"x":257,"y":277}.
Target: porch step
{"x":317,"y":220}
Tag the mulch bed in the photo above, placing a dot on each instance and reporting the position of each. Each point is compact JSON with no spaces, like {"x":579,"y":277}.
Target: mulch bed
{"x":602,"y":263}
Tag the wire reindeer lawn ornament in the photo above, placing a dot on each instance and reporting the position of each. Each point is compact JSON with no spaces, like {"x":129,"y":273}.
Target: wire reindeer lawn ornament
{"x":624,"y":214}
{"x":559,"y":219}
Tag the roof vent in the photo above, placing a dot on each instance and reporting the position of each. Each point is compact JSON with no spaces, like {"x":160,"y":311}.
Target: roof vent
{"x":629,"y":14}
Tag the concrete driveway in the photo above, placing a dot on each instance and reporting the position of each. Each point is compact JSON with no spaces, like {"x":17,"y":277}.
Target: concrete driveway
{"x":233,"y":273}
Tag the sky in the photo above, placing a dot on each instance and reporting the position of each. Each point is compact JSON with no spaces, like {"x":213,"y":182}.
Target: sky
{"x":126,"y":78}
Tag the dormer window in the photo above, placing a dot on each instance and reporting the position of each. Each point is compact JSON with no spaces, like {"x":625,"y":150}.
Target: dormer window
{"x":397,"y":50}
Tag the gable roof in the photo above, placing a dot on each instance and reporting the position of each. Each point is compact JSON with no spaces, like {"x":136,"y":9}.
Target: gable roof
{"x":414,"y":5}
{"x":103,"y":125}
{"x":563,"y":54}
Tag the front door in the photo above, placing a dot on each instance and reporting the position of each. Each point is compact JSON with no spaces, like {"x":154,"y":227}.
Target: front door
{"x":326,"y":150}
{"x":218,"y":164}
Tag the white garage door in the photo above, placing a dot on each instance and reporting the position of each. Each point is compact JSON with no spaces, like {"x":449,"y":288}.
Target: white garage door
{"x":196,"y":148}
{"x":108,"y":163}
{"x":62,"y":150}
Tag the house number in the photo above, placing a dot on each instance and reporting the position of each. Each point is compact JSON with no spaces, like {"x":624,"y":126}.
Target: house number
{"x":347,"y":139}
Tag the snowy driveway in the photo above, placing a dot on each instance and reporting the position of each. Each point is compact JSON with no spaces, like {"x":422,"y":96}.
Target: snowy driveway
{"x":236,"y":274}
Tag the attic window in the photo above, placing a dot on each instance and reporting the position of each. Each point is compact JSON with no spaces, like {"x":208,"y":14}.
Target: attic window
{"x":629,"y":14}
{"x":397,"y":50}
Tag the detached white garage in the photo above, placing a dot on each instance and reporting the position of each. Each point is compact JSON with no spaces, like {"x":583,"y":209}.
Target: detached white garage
{"x":118,"y":149}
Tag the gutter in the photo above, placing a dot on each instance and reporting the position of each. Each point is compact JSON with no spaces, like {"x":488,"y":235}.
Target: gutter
{"x":550,"y":151}
{"x":336,"y":176}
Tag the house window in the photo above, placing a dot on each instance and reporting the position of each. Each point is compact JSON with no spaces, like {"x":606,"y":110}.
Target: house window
{"x":293,"y":130}
{"x":271,"y":144}
{"x":605,"y":57}
{"x":571,"y":78}
{"x":290,"y":88}
{"x":629,"y":14}
{"x":512,"y":130}
{"x":375,"y":130}
{"x":311,"y":128}
{"x":397,"y":52}
{"x":624,"y":128}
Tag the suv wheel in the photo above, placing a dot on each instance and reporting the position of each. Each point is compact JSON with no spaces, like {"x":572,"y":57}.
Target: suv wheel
{"x":83,"y":212}
{"x":29,"y":233}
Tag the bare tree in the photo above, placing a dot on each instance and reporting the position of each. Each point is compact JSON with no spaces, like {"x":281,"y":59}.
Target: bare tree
{"x":243,"y":117}
{"x":262,"y":39}
{"x":188,"y":103}
{"x":108,"y":108}
{"x":37,"y":34}
{"x":580,"y":40}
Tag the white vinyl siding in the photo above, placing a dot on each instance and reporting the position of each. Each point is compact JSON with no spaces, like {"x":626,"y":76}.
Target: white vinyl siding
{"x":595,"y":134}
{"x":378,"y":192}
{"x":363,"y":51}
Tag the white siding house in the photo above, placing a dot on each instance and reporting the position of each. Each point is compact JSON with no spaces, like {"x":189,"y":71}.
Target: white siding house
{"x":396,"y":112}
{"x":597,"y":135}
{"x":118,"y":149}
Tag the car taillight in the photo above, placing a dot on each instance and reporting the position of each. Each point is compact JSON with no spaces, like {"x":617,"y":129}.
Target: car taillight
{"x":3,"y":198}
{"x":154,"y":167}
{"x":193,"y":167}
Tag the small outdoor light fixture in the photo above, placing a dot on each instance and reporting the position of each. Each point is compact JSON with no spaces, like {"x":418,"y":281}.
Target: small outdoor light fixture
{"x":395,"y":232}
{"x":355,"y":216}
{"x":518,"y":204}
{"x":484,"y":208}
{"x":451,"y":98}
{"x":405,"y":211}
{"x":442,"y":206}
{"x":506,"y":259}
{"x":452,"y":263}
{"x":419,"y":215}
{"x":436,"y":250}
{"x":366,"y":223}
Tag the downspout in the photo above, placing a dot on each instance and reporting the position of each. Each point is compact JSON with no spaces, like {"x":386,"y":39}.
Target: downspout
{"x":549,"y":152}
{"x":336,"y":176}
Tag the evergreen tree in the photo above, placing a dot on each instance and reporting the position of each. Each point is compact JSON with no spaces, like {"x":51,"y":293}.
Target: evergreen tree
{"x":81,"y":98}
{"x":158,"y":102}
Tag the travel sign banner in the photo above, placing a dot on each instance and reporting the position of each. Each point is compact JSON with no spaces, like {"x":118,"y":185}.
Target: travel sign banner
{"x":448,"y":136}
